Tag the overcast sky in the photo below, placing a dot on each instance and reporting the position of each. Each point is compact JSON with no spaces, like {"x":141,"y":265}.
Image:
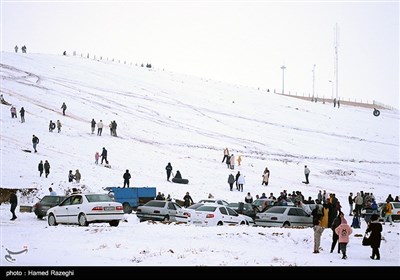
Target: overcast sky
{"x":244,"y":42}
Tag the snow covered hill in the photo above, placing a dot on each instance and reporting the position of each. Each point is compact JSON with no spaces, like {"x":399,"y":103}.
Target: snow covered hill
{"x":168,"y":117}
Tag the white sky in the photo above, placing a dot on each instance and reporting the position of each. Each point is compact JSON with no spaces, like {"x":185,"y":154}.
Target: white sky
{"x":244,"y":42}
{"x":166,"y":117}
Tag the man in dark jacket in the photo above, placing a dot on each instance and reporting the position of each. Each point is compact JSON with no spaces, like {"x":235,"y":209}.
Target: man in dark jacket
{"x":187,"y":200}
{"x":40,"y":168}
{"x":63,"y":107}
{"x":104,"y":155}
{"x":126,"y":177}
{"x":22,"y":113}
{"x":46,"y":168}
{"x":35,"y":141}
{"x":13,"y":202}
{"x":169,"y":170}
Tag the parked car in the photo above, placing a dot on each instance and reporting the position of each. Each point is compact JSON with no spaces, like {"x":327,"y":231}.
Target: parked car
{"x":284,"y":216}
{"x":83,"y":209}
{"x":218,"y":215}
{"x":217,"y":201}
{"x":262,"y":204}
{"x":40,"y":208}
{"x":244,"y":208}
{"x":192,"y":208}
{"x":161,"y":210}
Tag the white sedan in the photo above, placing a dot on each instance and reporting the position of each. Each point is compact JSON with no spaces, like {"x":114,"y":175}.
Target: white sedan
{"x":83,"y":209}
{"x":218,"y":215}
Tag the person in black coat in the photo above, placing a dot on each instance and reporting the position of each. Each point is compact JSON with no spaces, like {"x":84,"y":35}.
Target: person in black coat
{"x":169,"y":170}
{"x":46,"y":168}
{"x":126,"y":176}
{"x":35,"y":141}
{"x":336,"y":222}
{"x":375,"y":227}
{"x":13,"y":202}
{"x":40,"y":168}
{"x":104,"y":155}
{"x":22,"y":113}
{"x":178,"y":175}
{"x":187,"y":200}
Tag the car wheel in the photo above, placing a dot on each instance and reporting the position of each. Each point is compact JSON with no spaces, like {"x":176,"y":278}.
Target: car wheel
{"x":166,"y":219}
{"x":242,"y":223}
{"x":52,"y":220}
{"x":127,"y":208}
{"x":82,"y":220}
{"x":114,"y":223}
{"x":286,"y":224}
{"x":219,"y":223}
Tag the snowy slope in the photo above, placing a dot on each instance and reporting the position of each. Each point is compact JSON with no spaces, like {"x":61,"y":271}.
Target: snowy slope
{"x":169,"y":117}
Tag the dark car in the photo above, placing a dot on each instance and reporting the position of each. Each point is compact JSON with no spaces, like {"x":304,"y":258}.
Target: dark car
{"x":244,"y":208}
{"x":48,"y":201}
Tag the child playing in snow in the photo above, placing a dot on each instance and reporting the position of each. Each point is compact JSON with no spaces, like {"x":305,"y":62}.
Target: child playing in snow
{"x":96,"y":157}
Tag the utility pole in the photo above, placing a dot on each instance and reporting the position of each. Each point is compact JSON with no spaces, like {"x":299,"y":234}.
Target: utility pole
{"x":336,"y":60}
{"x":283,"y":78}
{"x":313,"y":82}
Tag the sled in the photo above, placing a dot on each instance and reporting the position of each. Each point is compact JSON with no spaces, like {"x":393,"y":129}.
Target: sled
{"x":27,"y":151}
{"x":376,"y":112}
{"x":180,"y":181}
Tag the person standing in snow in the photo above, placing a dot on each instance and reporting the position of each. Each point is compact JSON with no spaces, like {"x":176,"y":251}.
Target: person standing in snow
{"x":241,"y":182}
{"x":35,"y":141}
{"x":59,"y":126}
{"x":168,"y":168}
{"x":265,"y":177}
{"x":343,"y":231}
{"x":317,"y":235}
{"x":70,"y":176}
{"x":40,"y":168}
{"x":187,"y":200}
{"x":22,"y":114}
{"x":306,"y":173}
{"x":93,"y":125}
{"x":52,"y":126}
{"x":248,"y":198}
{"x":96,"y":158}
{"x":232,"y":162}
{"x":16,"y":48}
{"x":13,"y":111}
{"x":14,"y":203}
{"x":231,"y":180}
{"x":375,"y":227}
{"x":63,"y":107}
{"x":99,"y":128}
{"x":46,"y":168}
{"x":77,"y":176}
{"x":52,"y":193}
{"x":127,"y":177}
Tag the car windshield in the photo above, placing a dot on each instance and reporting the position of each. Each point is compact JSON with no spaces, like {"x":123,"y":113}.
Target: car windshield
{"x":207,"y":208}
{"x":396,"y":204}
{"x":276,"y":210}
{"x":51,"y":199}
{"x":98,"y":197}
{"x":195,"y":206}
{"x":155,"y":203}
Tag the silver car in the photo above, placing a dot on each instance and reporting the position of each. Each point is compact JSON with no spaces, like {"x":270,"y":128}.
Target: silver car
{"x":284,"y":216}
{"x":161,"y":210}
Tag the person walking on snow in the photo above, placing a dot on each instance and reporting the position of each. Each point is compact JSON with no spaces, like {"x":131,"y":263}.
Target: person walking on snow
{"x":14,"y":203}
{"x":126,"y":177}
{"x":59,"y":126}
{"x":226,"y":154}
{"x":343,"y":231}
{"x":168,"y":168}
{"x":96,"y":158}
{"x":22,"y":114}
{"x":265,"y":177}
{"x":93,"y":125}
{"x":40,"y":168}
{"x":99,"y":128}
{"x":13,"y":111}
{"x":35,"y":141}
{"x":16,"y":48}
{"x":104,"y":156}
{"x":63,"y":107}
{"x":46,"y":168}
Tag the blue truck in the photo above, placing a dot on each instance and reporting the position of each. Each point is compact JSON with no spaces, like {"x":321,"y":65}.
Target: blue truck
{"x":131,"y":198}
